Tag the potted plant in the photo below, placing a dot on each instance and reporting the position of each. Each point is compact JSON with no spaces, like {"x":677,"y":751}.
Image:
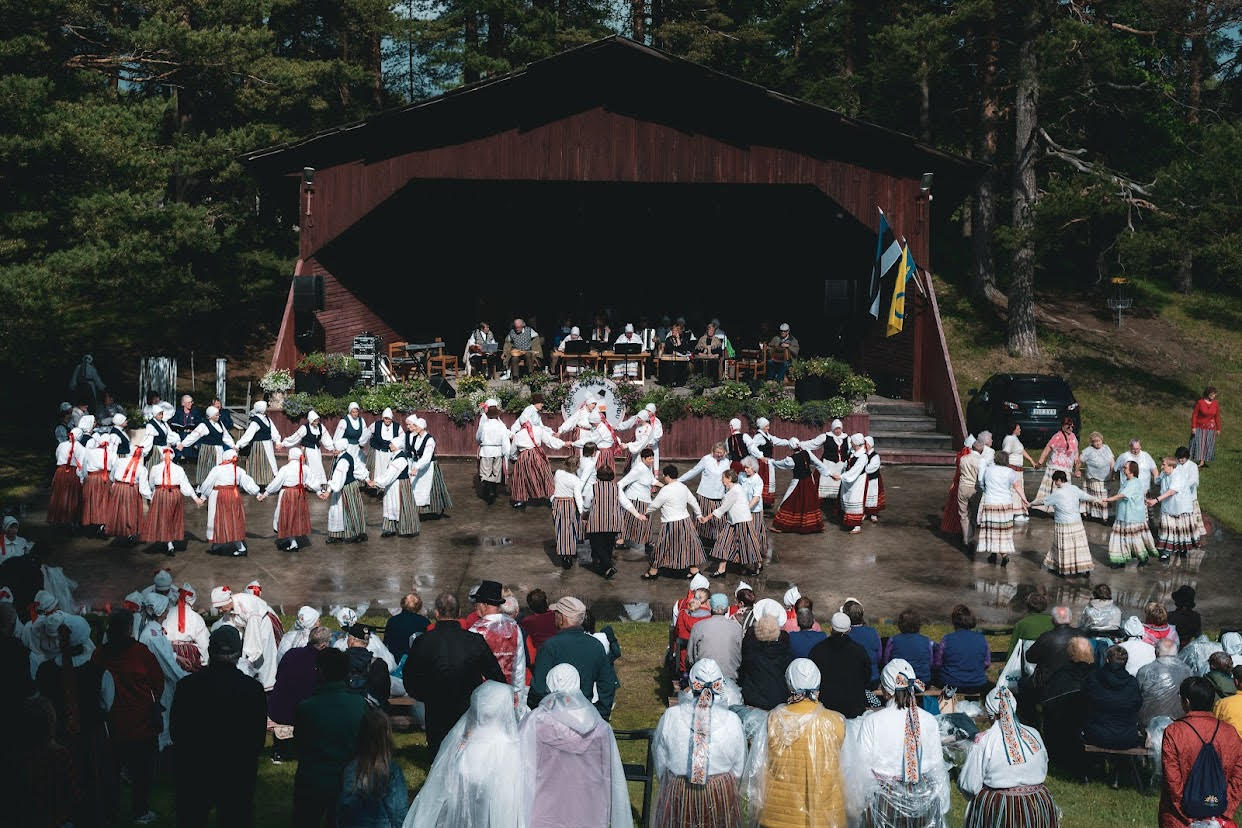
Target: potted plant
{"x":342,"y":371}
{"x":308,"y":373}
{"x":817,"y":378}
{"x":277,"y":383}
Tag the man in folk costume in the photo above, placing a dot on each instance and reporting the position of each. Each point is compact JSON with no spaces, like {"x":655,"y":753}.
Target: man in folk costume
{"x":186,"y":631}
{"x":799,"y":510}
{"x":347,"y":513}
{"x":605,"y":502}
{"x":352,"y":429}
{"x":638,"y":484}
{"x":430,"y":492}
{"x":969,"y":468}
{"x":836,"y":446}
{"x":260,"y":630}
{"x":157,"y":434}
{"x":711,"y":488}
{"x":130,"y":485}
{"x":735,"y":445}
{"x":738,"y":541}
{"x":379,"y":441}
{"x":760,"y":446}
{"x":678,"y":545}
{"x":226,"y":518}
{"x":492,"y":437}
{"x":260,"y":438}
{"x":950,"y":520}
{"x":154,"y":612}
{"x":291,"y":520}
{"x":212,"y":438}
{"x":532,"y":474}
{"x":311,"y":437}
{"x":854,"y":485}
{"x":64,"y":507}
{"x":164,"y":521}
{"x":874,"y":500}
{"x":400,"y":511}
{"x":98,"y":458}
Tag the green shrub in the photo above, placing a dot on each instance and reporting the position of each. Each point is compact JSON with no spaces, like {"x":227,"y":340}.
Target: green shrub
{"x":326,"y":405}
{"x":839,"y":407}
{"x":757,"y":407}
{"x":819,"y":412}
{"x":772,"y":391}
{"x":699,"y":405}
{"x":857,"y":387}
{"x":462,"y":410}
{"x":833,"y":371}
{"x":787,"y":409}
{"x":538,"y":380}
{"x":735,"y":390}
{"x":296,"y":405}
{"x":314,"y":362}
{"x":471,"y":384}
{"x":699,"y":383}
{"x":724,"y":407}
{"x":554,"y":396}
{"x":342,"y":365}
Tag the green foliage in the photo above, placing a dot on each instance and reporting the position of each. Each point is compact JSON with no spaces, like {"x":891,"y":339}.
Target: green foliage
{"x":856,"y":387}
{"x":833,"y":371}
{"x":279,"y":379}
{"x":342,"y":365}
{"x":554,"y":397}
{"x":538,"y":380}
{"x":314,"y":362}
{"x":471,"y":384}
{"x":699,"y":383}
{"x":699,"y":405}
{"x":819,"y":412}
{"x":787,"y":409}
{"x":461,"y":410}
{"x":629,"y":395}
{"x":734,"y":390}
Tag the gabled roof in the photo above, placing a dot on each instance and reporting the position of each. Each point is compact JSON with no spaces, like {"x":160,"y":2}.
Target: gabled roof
{"x":626,"y":77}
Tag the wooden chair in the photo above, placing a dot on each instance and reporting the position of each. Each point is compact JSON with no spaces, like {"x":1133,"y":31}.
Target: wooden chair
{"x":748,"y":363}
{"x":400,"y":362}
{"x":442,"y":362}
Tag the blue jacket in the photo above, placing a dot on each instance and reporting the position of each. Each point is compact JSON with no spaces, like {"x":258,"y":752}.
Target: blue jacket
{"x":382,"y":809}
{"x":915,"y":648}
{"x":869,"y":638}
{"x":964,"y":656}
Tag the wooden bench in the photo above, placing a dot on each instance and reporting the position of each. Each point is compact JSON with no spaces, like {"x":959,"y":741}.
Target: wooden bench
{"x":1136,"y":758}
{"x":401,"y":713}
{"x":635,"y":772}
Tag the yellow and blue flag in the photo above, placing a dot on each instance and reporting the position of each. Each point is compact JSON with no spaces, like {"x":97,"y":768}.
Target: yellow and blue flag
{"x":897,"y":308}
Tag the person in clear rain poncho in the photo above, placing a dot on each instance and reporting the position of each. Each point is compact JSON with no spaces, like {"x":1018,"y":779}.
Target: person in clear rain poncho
{"x":1161,"y":683}
{"x":572,"y":761}
{"x":307,"y":619}
{"x":793,"y":771}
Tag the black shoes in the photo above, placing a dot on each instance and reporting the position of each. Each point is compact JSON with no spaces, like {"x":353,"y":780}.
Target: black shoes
{"x":567,"y":563}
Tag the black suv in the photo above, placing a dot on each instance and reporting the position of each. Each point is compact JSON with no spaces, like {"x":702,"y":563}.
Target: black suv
{"x":1037,"y":402}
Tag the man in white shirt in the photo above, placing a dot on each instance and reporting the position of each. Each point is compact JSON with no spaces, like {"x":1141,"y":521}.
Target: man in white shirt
{"x":1148,"y":470}
{"x":494,"y":446}
{"x":628,"y":368}
{"x":478,"y":359}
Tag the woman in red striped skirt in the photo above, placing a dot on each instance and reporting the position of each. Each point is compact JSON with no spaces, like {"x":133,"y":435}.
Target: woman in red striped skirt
{"x":226,"y":519}
{"x":165,"y":520}
{"x":738,"y":542}
{"x":678,"y":545}
{"x":799,"y":512}
{"x":97,"y":462}
{"x":65,"y":506}
{"x":129,"y":486}
{"x":567,"y":514}
{"x":532,"y":473}
{"x":605,"y":502}
{"x":291,"y":520}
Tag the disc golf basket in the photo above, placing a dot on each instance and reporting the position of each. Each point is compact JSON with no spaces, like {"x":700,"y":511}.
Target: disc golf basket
{"x":1121,"y":299}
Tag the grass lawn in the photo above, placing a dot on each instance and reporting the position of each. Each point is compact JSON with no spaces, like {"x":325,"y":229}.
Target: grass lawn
{"x":1139,"y":381}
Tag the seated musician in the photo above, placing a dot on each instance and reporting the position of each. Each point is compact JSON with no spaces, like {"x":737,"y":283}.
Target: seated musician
{"x":676,"y":345}
{"x":601,"y":334}
{"x":575,"y":335}
{"x":477,"y":358}
{"x":781,"y":350}
{"x":710,"y":344}
{"x":627,"y":368}
{"x":519,"y":349}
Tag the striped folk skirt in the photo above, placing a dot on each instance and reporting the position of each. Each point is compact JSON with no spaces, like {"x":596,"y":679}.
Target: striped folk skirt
{"x":531,"y":478}
{"x":353,"y":512}
{"x":741,"y":543}
{"x":1176,"y":534}
{"x":208,"y":458}
{"x":875,"y":499}
{"x":165,"y":520}
{"x":678,"y":546}
{"x":257,"y":465}
{"x":996,"y":529}
{"x":1027,"y":806}
{"x":189,"y":658}
{"x":1200,"y":529}
{"x":294,"y":513}
{"x":1045,"y":488}
{"x":897,"y":804}
{"x":604,"y":459}
{"x":829,"y":486}
{"x":1130,"y":540}
{"x":710,"y":530}
{"x":633,"y":529}
{"x":1203,"y":445}
{"x":1099,"y":490}
{"x":1070,"y":554}
{"x":800,"y":512}
{"x":683,"y":805}
{"x":230,"y":523}
{"x":154,"y":457}
{"x":95,"y":498}
{"x":568,"y":526}
{"x":65,"y":505}
{"x":124,"y":510}
{"x":441,"y":501}
{"x":407,"y":524}
{"x":769,"y":487}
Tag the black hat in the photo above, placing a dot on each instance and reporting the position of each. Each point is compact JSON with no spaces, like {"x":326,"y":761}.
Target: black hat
{"x":225,"y":641}
{"x":1184,"y":596}
{"x":488,"y":593}
{"x":358,"y":631}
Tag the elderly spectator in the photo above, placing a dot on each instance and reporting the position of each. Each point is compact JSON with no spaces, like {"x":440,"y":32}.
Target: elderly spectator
{"x":718,"y":638}
{"x":373,"y":792}
{"x":502,"y":634}
{"x":1160,"y":682}
{"x":804,"y":636}
{"x":295,"y":682}
{"x":575,"y":646}
{"x":1113,"y":702}
{"x":1231,"y":643}
{"x":962,"y":657}
{"x":699,"y":753}
{"x":1036,"y":622}
{"x":368,"y":674}
{"x":1229,"y":709}
{"x":911,"y":646}
{"x":325,"y":734}
{"x":1180,"y":749}
{"x":1101,"y":614}
{"x":1003,"y":775}
{"x":765,"y":656}
{"x":520,"y":349}
{"x":304,"y":622}
{"x":1220,"y":673}
{"x":793,"y":774}
{"x":847,"y":664}
{"x":695,"y":610}
{"x":405,"y":625}
{"x":218,"y":701}
{"x":444,"y":667}
{"x":1065,"y":708}
{"x":1185,"y":620}
{"x":800,"y":602}
{"x":1049,"y":652}
{"x":539,"y":624}
{"x":1195,"y":654}
{"x":1156,"y":624}
{"x":868,"y":637}
{"x":1139,"y":652}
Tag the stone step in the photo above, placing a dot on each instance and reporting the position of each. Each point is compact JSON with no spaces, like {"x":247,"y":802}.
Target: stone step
{"x":883,"y":405}
{"x":903,"y":422}
{"x":894,"y":440}
{"x":917,"y":457}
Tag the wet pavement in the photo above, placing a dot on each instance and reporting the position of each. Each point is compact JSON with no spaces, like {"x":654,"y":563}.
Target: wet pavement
{"x":901,"y":562}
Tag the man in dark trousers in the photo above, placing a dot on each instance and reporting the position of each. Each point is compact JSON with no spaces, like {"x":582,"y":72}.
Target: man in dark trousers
{"x":218,"y":724}
{"x":444,"y":666}
{"x":847,"y":662}
{"x":325,"y":734}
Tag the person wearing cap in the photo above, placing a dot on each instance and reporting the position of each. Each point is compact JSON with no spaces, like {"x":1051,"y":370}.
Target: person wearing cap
{"x":493,"y":439}
{"x":347,"y":513}
{"x":711,"y":488}
{"x":642,"y":433}
{"x":60,"y":433}
{"x":157,"y":434}
{"x":258,"y":445}
{"x":12,"y":545}
{"x":694,"y":610}
{"x":1004,"y":772}
{"x":781,"y":350}
{"x":226,"y":517}
{"x":151,"y":633}
{"x":312,"y":438}
{"x":678,"y":545}
{"x":836,"y":452}
{"x":98,"y":459}
{"x":352,"y":430}
{"x":854,"y":485}
{"x":478,"y":360}
{"x":368,"y":673}
{"x":1060,"y":454}
{"x":573,"y":365}
{"x":400,"y":512}
{"x":799,"y":510}
{"x":64,"y":506}
{"x":291,"y":519}
{"x":793,"y":769}
{"x":219,"y":724}
{"x":718,"y":637}
{"x":130,"y":485}
{"x":259,"y":626}
{"x":430,"y":492}
{"x":212,"y":438}
{"x":306,"y":620}
{"x":164,"y":522}
{"x":380,"y":437}
{"x":574,"y":646}
{"x":503,"y":636}
{"x":531,"y":478}
{"x":186,"y":631}
{"x":699,"y":755}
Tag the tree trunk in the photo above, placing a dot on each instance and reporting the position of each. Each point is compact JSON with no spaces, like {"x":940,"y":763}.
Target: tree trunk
{"x":924,"y":100}
{"x":496,"y":34}
{"x":1185,"y":272}
{"x":983,"y":276}
{"x":638,"y":20}
{"x":469,"y":73}
{"x":657,"y":21}
{"x":377,"y":77}
{"x":1198,"y":34}
{"x":1022,"y":340}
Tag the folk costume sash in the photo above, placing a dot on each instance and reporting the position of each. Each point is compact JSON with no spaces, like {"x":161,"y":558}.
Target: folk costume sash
{"x":700,"y":730}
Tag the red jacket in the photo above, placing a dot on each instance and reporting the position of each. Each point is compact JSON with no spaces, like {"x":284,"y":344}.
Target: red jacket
{"x":1178,"y":754}
{"x":1206,"y":415}
{"x":139,"y":684}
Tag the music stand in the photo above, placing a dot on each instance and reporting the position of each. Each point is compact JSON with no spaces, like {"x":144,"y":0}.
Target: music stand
{"x":627,"y":349}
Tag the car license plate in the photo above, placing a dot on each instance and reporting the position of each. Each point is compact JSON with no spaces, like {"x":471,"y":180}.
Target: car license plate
{"x":1043,"y":412}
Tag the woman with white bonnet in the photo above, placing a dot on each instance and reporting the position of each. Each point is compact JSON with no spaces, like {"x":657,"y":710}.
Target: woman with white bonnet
{"x":479,"y":775}
{"x":307,"y":619}
{"x":131,"y":484}
{"x":799,"y":510}
{"x":213,"y":438}
{"x":312,"y":438}
{"x":400,"y":511}
{"x":1003,"y":775}
{"x":291,"y":520}
{"x":760,"y":446}
{"x":854,"y":485}
{"x":226,"y":517}
{"x":261,"y":438}
{"x":574,"y":774}
{"x":836,"y":445}
{"x":186,"y":631}
{"x":347,"y":513}
{"x":64,"y":507}
{"x":12,"y":545}
{"x":699,"y":753}
{"x":157,"y":434}
{"x":382,"y":434}
{"x":430,"y":492}
{"x":894,"y":766}
{"x":793,"y":772}
{"x":352,"y":428}
{"x":259,"y":627}
{"x":151,"y":633}
{"x":164,"y":521}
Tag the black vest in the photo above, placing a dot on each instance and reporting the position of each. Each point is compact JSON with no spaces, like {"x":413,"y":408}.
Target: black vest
{"x":417,"y":451}
{"x":348,"y":458}
{"x":765,"y":445}
{"x":872,"y":475}
{"x":311,"y":439}
{"x":122,"y":448}
{"x":161,"y":432}
{"x":737,"y":447}
{"x":405,"y":473}
{"x":214,"y":437}
{"x":377,"y":440}
{"x":831,"y":446}
{"x":352,"y":433}
{"x":802,"y":464}
{"x":264,"y":431}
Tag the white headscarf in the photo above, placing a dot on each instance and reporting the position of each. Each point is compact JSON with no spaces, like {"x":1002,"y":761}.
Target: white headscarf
{"x":802,"y":678}
{"x":762,"y":423}
{"x":1020,"y":741}
{"x":835,"y":425}
{"x":791,"y":596}
{"x":260,"y":407}
{"x":387,"y":414}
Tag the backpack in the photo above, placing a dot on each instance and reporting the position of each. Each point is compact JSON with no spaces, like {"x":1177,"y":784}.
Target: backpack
{"x":359,"y":669}
{"x":1205,"y":793}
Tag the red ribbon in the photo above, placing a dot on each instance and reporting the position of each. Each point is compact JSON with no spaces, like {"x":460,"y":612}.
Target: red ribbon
{"x":255,"y":590}
{"x":168,"y":466}
{"x":181,"y":596}
{"x":128,"y":475}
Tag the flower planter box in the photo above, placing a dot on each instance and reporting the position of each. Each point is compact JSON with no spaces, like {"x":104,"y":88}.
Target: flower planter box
{"x":308,"y":383}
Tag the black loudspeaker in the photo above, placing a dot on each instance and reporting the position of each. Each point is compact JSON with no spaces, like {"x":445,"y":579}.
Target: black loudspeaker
{"x":307,"y":293}
{"x":308,"y":333}
{"x":442,"y":385}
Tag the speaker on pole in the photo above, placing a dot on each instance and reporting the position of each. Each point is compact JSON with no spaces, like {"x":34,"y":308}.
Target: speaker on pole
{"x":442,"y":385}
{"x":307,"y":293}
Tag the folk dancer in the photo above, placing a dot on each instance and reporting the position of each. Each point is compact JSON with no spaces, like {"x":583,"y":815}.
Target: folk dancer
{"x":736,"y":445}
{"x":627,"y":368}
{"x":639,"y":484}
{"x":64,"y":507}
{"x":130,"y":485}
{"x":605,"y":502}
{"x":853,"y":486}
{"x":1061,"y":454}
{"x":968,"y":490}
{"x":532,"y":474}
{"x":117,"y":434}
{"x":157,"y":434}
{"x":1070,"y":553}
{"x":1004,"y":772}
{"x":657,"y":429}
{"x":347,"y":514}
{"x":642,"y":436}
{"x":875,"y":499}
{"x":1018,"y":455}
{"x":711,"y":489}
{"x":567,"y":510}
{"x":212,"y":438}
{"x":475,"y":358}
{"x":1191,"y":470}
{"x":260,"y":437}
{"x":998,"y":483}
{"x":12,"y":545}
{"x":306,"y":620}
{"x":400,"y":511}
{"x":1097,"y":458}
{"x":151,"y":633}
{"x":738,"y":542}
{"x":494,"y":446}
{"x":799,"y":509}
{"x":430,"y":492}
{"x":1177,"y":522}
{"x":760,"y":447}
{"x":352,"y":429}
{"x":678,"y":546}
{"x":97,"y":461}
{"x":226,"y":517}
{"x":312,"y":438}
{"x":602,"y":436}
{"x":578,"y":424}
{"x":379,"y":439}
{"x":165,"y":520}
{"x":1131,"y":535}
{"x":836,"y":445}
{"x":751,"y":480}
{"x":186,"y":631}
{"x":950,"y":518}
{"x":260,"y":630}
{"x":291,"y":520}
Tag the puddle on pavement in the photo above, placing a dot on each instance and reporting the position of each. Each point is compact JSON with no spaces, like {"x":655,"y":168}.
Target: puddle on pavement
{"x":481,"y":541}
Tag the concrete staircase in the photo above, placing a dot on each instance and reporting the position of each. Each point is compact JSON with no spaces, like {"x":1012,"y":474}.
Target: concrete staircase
{"x":906,"y":434}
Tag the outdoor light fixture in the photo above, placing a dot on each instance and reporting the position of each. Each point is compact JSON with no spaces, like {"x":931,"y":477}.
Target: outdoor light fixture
{"x":308,"y":177}
{"x":925,"y":183}
{"x":308,"y":184}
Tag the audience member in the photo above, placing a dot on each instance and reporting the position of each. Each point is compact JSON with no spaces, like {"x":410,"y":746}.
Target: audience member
{"x":1113,"y":702}
{"x":1160,"y":683}
{"x":1185,"y":620}
{"x":1139,"y":652}
{"x":1220,"y":673}
{"x":791,"y":621}
{"x":502,"y":634}
{"x":306,"y":620}
{"x":694,"y":611}
{"x":540,"y":622}
{"x":804,"y":636}
{"x":962,"y":657}
{"x":1036,"y":622}
{"x":1156,"y":624}
{"x":1064,"y":707}
{"x":1101,"y":614}
{"x":1229,"y":709}
{"x":373,"y":792}
{"x":295,"y":682}
{"x":325,"y":735}
{"x":740,"y":612}
{"x":718,"y":638}
{"x":1231,"y":643}
{"x":1004,"y":772}
{"x":868,"y":637}
{"x":765,"y":657}
{"x":1049,"y":653}
{"x":405,"y":625}
{"x":44,"y":784}
{"x":573,"y":645}
{"x":1196,"y":652}
{"x":911,"y":646}
{"x":1182,"y":742}
{"x":848,"y":666}
{"x":367,"y":674}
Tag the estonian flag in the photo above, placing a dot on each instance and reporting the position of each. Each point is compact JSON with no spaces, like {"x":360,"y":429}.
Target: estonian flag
{"x":897,"y":309}
{"x":887,"y":252}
